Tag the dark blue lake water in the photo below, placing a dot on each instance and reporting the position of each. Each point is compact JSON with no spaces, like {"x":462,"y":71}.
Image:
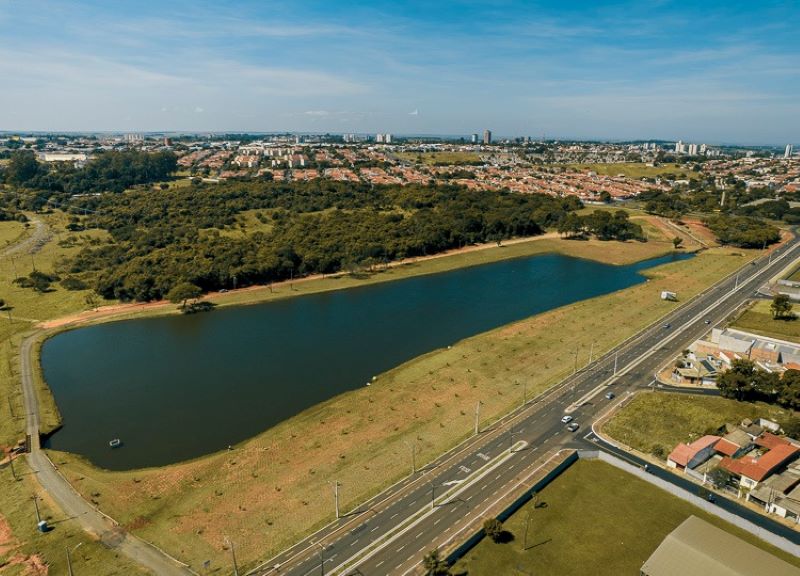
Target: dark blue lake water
{"x":178,"y":387}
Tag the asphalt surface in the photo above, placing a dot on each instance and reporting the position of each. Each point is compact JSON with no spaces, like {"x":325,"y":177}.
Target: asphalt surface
{"x":391,"y":533}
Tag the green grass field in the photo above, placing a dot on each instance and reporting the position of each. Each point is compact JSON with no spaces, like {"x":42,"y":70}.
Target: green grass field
{"x":635,"y":170}
{"x":10,"y":231}
{"x":597,"y":520}
{"x":431,"y":158}
{"x":758,"y":319}
{"x":655,"y":421}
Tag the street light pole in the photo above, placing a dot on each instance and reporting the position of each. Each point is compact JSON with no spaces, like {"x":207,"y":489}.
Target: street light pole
{"x":591,"y":353}
{"x":477,"y":416}
{"x":321,"y":558}
{"x":616,"y":355}
{"x":69,"y":560}
{"x":433,"y":496}
{"x":233,"y":556}
{"x":336,"y":497}
{"x":413,"y":447}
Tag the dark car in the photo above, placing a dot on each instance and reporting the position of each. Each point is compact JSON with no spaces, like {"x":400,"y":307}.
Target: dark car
{"x":667,"y":326}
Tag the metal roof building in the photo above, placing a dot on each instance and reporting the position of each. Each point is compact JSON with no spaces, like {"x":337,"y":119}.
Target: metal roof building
{"x":697,"y":548}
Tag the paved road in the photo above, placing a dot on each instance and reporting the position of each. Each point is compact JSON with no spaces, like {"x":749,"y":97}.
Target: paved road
{"x":391,"y":533}
{"x":70,"y":502}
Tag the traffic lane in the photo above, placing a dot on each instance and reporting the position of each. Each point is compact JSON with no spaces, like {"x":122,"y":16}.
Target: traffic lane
{"x":722,"y":501}
{"x":407,"y":551}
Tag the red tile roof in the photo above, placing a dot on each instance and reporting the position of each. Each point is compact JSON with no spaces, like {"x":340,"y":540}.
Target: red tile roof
{"x":759,"y":468}
{"x":769,"y":440}
{"x":726,"y":447}
{"x":683,"y":453}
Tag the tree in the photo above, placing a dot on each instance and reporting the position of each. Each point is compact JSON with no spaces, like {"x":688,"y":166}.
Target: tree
{"x":719,"y":477}
{"x":791,"y":427}
{"x":739,"y":381}
{"x":493,"y":528}
{"x":677,"y":241}
{"x":781,"y":306}
{"x":183,"y":292}
{"x":605,"y":197}
{"x":434,"y":564}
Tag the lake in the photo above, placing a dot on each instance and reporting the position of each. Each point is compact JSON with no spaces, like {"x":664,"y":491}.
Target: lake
{"x":178,"y":387}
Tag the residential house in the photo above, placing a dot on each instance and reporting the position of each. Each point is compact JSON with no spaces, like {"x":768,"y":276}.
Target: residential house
{"x":692,"y":455}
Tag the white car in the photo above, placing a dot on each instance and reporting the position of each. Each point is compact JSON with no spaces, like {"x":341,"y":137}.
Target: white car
{"x":566,"y":419}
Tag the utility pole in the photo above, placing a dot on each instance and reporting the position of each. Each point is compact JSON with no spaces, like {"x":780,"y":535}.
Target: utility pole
{"x":576,"y":360}
{"x":511,"y":435}
{"x":11,"y":463}
{"x":433,"y":495}
{"x":336,"y":497}
{"x":524,"y":393}
{"x":737,"y":283}
{"x":233,"y":556}
{"x":69,"y":559}
{"x":616,"y":354}
{"x":477,"y":416}
{"x":413,"y":447}
{"x":36,"y":505}
{"x":321,"y":558}
{"x":591,"y":353}
{"x":528,"y":520}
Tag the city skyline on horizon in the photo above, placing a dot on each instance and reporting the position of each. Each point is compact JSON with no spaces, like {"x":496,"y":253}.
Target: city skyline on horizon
{"x":723,"y":74}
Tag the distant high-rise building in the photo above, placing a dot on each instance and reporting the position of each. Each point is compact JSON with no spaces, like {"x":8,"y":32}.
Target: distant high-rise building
{"x":387,"y":138}
{"x":474,"y":138}
{"x":692,"y":149}
{"x":703,"y":148}
{"x":679,"y":147}
{"x":487,"y":136}
{"x":788,"y":152}
{"x":379,"y":138}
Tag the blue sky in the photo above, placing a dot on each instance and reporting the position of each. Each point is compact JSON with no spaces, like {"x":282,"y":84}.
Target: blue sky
{"x":699,"y":71}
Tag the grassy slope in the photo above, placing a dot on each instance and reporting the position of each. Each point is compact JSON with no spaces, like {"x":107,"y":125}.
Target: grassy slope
{"x":10,"y":231}
{"x":17,"y":509}
{"x":664,"y":420}
{"x":15,"y":505}
{"x":598,"y":520}
{"x":635,"y":170}
{"x":758,"y":319}
{"x":27,"y":307}
{"x":273,"y":488}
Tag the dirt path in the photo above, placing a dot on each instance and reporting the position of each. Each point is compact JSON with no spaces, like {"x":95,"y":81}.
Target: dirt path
{"x":33,"y":243}
{"x":113,"y":310}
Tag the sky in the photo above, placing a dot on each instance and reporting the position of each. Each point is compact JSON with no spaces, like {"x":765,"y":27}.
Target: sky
{"x":715,"y":72}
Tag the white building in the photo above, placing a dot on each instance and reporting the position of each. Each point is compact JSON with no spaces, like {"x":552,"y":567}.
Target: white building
{"x":788,"y":152}
{"x":692,"y":149}
{"x":680,"y":148}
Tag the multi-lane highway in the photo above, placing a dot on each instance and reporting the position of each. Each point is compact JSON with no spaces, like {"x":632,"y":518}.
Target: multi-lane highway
{"x":391,"y":533}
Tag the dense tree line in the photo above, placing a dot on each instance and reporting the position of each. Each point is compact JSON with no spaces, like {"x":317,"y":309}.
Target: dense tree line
{"x":110,"y":171}
{"x":742,"y":231}
{"x":745,"y":382}
{"x":164,"y":238}
{"x":603,"y":224}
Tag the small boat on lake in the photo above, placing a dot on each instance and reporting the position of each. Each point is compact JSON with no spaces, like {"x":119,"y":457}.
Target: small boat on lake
{"x":115,"y":443}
